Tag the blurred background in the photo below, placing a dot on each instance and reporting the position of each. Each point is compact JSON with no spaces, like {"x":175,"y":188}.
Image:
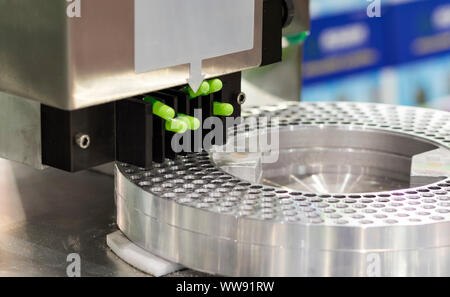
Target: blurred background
{"x":400,"y":57}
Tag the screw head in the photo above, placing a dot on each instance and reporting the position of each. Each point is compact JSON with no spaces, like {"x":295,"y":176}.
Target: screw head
{"x":241,"y":97}
{"x":82,"y":140}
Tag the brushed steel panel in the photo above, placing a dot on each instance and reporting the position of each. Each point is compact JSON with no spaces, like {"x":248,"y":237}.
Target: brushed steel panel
{"x":33,"y":50}
{"x":72,"y":63}
{"x":20,"y":130}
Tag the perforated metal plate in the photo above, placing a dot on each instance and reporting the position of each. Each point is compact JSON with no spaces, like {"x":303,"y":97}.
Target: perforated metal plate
{"x":191,"y":212}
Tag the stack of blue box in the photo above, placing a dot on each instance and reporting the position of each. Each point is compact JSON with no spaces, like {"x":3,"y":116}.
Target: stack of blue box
{"x":402,"y":57}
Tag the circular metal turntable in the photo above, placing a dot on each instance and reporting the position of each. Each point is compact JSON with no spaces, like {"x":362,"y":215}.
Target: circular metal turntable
{"x":357,"y":190}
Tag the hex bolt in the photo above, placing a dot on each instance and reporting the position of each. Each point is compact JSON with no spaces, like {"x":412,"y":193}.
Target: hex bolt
{"x":82,"y":140}
{"x":241,"y":97}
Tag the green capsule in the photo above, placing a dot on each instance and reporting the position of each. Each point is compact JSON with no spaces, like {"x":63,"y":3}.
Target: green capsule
{"x":223,"y":109}
{"x":193,"y":123}
{"x":160,"y":109}
{"x":176,"y":125}
{"x":215,"y":85}
{"x":298,"y":38}
{"x":202,"y":91}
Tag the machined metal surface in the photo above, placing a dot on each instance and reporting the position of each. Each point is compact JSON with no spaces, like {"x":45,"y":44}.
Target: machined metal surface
{"x":45,"y":216}
{"x":48,"y":215}
{"x":20,"y":130}
{"x":75,"y":62}
{"x":192,"y":212}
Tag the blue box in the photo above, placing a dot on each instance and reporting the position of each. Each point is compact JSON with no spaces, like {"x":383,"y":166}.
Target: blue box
{"x":417,"y":29}
{"x":411,"y":39}
{"x":322,"y":8}
{"x":361,"y":87}
{"x":343,"y":44}
{"x":424,"y":83}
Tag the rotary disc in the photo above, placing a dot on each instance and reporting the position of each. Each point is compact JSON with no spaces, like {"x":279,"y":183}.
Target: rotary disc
{"x":357,"y":189}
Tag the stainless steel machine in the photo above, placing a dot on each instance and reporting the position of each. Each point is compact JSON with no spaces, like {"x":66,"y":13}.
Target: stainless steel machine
{"x":354,"y":190}
{"x":73,"y":70}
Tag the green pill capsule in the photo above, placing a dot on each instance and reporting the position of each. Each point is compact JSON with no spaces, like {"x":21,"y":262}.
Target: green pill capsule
{"x":204,"y":88}
{"x":223,"y":109}
{"x":215,"y":85}
{"x":160,"y":109}
{"x":193,"y":123}
{"x":202,"y":91}
{"x":297,"y":39}
{"x":176,"y":125}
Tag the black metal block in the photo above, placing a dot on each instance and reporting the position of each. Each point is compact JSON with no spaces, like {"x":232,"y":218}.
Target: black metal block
{"x":272,"y":31}
{"x":184,"y":107}
{"x":77,"y":140}
{"x":229,"y":94}
{"x":183,"y":100}
{"x":166,"y":136}
{"x":134,"y":136}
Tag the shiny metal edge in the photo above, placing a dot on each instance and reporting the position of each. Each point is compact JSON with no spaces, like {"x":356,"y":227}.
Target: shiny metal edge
{"x":228,"y":257}
{"x":279,"y":234}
